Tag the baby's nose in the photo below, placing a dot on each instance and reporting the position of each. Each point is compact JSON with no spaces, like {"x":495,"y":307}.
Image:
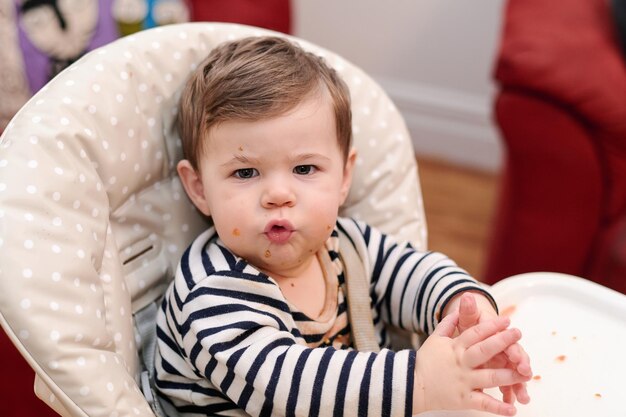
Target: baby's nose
{"x":278,"y":195}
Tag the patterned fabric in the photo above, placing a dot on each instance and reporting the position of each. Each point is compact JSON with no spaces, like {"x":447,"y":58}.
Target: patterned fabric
{"x":230,"y":341}
{"x":93,"y":218}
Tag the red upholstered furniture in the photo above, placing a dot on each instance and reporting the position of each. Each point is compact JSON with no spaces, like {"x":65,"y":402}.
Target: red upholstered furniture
{"x":561,"y":111}
{"x":269,"y":14}
{"x":16,"y":385}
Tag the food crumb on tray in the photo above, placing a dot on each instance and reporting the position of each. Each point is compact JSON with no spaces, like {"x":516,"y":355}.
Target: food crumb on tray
{"x":508,"y":311}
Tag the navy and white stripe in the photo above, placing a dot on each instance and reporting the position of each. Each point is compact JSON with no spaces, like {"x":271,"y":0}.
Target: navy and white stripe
{"x":229,"y":343}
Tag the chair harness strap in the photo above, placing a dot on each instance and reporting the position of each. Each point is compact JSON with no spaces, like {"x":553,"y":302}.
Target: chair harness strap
{"x":145,"y":332}
{"x":356,"y":289}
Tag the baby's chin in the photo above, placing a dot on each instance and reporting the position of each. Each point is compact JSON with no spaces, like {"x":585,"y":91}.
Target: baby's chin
{"x":273,"y":264}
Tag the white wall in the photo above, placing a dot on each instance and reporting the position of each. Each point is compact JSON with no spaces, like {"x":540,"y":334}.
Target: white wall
{"x":434,"y":58}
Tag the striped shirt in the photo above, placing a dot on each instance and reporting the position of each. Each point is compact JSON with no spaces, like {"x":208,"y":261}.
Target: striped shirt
{"x":230,"y":344}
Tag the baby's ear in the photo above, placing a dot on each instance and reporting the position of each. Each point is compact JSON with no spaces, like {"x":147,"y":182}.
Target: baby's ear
{"x":192,"y":182}
{"x":347,"y":175}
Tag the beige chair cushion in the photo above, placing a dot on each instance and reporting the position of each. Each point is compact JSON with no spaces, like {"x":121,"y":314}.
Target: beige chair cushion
{"x":93,"y":218}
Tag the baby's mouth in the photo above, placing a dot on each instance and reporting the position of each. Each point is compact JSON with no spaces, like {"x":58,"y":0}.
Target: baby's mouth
{"x":278,"y":231}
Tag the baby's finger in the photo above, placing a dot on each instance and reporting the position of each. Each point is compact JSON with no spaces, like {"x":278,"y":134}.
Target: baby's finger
{"x":491,"y":378}
{"x":521,"y":393}
{"x":484,"y":402}
{"x":508,"y":395}
{"x":468,"y":312}
{"x":519,"y":358}
{"x":447,"y":326}
{"x":514,"y":353}
{"x":498,"y":361}
{"x":483,"y":330}
{"x":481,"y":352}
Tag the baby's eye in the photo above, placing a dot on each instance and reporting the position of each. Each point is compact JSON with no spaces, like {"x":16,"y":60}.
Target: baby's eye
{"x":246,"y":173}
{"x":304,"y":169}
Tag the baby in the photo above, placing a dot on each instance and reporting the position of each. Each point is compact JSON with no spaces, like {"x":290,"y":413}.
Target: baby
{"x":256,"y":321}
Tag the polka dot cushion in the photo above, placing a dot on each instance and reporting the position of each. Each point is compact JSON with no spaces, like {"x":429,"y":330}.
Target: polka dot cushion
{"x":93,"y":218}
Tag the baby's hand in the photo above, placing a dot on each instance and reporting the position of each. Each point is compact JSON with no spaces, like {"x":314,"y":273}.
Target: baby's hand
{"x":514,"y":357}
{"x":447,"y":373}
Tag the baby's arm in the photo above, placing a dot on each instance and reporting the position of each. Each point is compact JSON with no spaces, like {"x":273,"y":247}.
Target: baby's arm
{"x":450,"y":373}
{"x":410,"y":287}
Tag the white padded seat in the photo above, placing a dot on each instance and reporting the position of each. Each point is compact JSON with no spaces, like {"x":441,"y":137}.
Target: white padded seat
{"x":93,"y":218}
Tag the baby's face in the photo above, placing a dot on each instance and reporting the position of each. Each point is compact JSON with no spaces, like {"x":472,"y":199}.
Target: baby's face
{"x":274,"y":187}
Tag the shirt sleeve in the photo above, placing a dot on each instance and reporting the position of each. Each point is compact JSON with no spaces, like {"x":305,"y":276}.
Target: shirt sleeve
{"x":409,"y":288}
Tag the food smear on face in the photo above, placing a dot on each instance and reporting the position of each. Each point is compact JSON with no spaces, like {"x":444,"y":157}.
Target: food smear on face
{"x":268,"y":254}
{"x":236,"y":232}
{"x":561,"y":358}
{"x":508,"y":311}
{"x":240,"y":148}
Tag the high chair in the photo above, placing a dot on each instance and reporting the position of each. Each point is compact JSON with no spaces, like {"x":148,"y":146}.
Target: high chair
{"x":93,"y":218}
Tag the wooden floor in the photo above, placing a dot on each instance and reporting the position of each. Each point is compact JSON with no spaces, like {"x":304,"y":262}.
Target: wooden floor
{"x":459,"y":204}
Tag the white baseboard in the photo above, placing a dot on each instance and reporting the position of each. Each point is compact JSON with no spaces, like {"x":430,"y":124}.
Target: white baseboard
{"x":448,"y":125}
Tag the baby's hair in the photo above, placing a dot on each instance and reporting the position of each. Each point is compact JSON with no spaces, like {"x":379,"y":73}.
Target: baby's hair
{"x":252,"y":79}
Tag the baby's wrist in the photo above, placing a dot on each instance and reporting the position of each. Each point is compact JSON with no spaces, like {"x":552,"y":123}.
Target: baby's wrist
{"x":485,"y":305}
